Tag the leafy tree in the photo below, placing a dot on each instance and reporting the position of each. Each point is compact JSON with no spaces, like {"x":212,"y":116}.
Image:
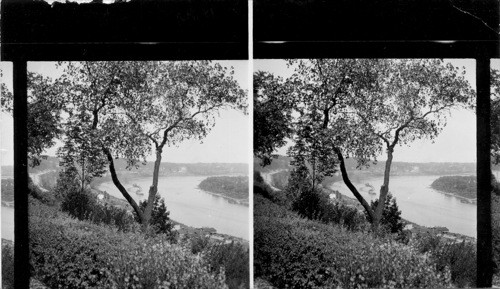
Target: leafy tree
{"x":271,"y":115}
{"x":298,"y":182}
{"x":132,"y":109}
{"x":363,"y":108}
{"x":44,"y":114}
{"x":79,"y":154}
{"x":67,"y":181}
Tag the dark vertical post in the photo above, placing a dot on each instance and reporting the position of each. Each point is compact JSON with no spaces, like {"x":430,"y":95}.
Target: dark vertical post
{"x":21,"y":245}
{"x":484,"y":244}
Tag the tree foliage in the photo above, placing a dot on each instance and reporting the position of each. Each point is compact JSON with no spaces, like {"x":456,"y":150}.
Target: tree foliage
{"x":44,"y":114}
{"x":272,"y":115}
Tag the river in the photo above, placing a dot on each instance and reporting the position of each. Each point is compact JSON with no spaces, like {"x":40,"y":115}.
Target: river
{"x":421,"y":204}
{"x":7,"y":223}
{"x":191,"y":206}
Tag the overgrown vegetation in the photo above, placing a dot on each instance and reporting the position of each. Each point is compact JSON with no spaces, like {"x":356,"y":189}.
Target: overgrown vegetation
{"x":459,"y":257}
{"x":7,"y":264}
{"x":69,"y":253}
{"x":315,"y":246}
{"x":297,"y":253}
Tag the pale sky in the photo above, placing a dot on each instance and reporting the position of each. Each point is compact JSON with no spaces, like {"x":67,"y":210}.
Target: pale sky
{"x":228,"y":142}
{"x":457,"y":141}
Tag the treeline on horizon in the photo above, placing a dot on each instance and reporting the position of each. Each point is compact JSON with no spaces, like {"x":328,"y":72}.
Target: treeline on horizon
{"x":233,"y":187}
{"x":464,"y":186}
{"x":166,"y":168}
{"x":283,"y":163}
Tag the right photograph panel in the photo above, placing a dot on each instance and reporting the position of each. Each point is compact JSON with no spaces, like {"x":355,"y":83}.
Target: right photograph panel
{"x":365,"y":172}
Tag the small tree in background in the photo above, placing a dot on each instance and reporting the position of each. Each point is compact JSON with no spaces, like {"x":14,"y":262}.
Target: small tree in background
{"x":67,"y":181}
{"x":160,"y":219}
{"x":391,"y":216}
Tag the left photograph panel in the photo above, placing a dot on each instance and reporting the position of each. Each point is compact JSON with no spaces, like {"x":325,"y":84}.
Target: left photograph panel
{"x":138,"y":174}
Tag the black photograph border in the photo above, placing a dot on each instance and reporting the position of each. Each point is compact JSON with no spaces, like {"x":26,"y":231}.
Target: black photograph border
{"x":33,"y":31}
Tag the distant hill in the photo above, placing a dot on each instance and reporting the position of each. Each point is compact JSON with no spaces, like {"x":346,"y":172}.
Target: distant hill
{"x":397,"y":168}
{"x":166,"y":168}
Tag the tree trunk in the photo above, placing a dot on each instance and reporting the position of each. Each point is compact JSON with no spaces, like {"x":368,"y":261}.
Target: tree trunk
{"x":352,"y":188}
{"x":384,"y":189}
{"x":120,"y":187}
{"x":153,"y":189}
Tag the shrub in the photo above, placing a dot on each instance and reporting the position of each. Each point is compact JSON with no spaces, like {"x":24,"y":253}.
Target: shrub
{"x":160,"y":220}
{"x":67,"y":182}
{"x":298,"y":253}
{"x":266,"y":208}
{"x":111,"y":215}
{"x":316,"y":205}
{"x":391,"y":215}
{"x":79,"y":204}
{"x":460,"y":257}
{"x":198,"y":243}
{"x":68,"y":253}
{"x":234,"y":259}
{"x":7,"y":264}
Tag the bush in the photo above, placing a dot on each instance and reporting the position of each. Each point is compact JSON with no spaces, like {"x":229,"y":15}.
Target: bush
{"x":67,"y":253}
{"x":460,"y":258}
{"x":67,"y":182}
{"x":79,"y":204}
{"x":391,"y":215}
{"x":160,"y":221}
{"x":234,"y":259}
{"x":7,"y":264}
{"x":316,"y":205}
{"x":297,"y":253}
{"x":198,"y":243}
{"x":84,"y":205}
{"x":111,"y":215}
